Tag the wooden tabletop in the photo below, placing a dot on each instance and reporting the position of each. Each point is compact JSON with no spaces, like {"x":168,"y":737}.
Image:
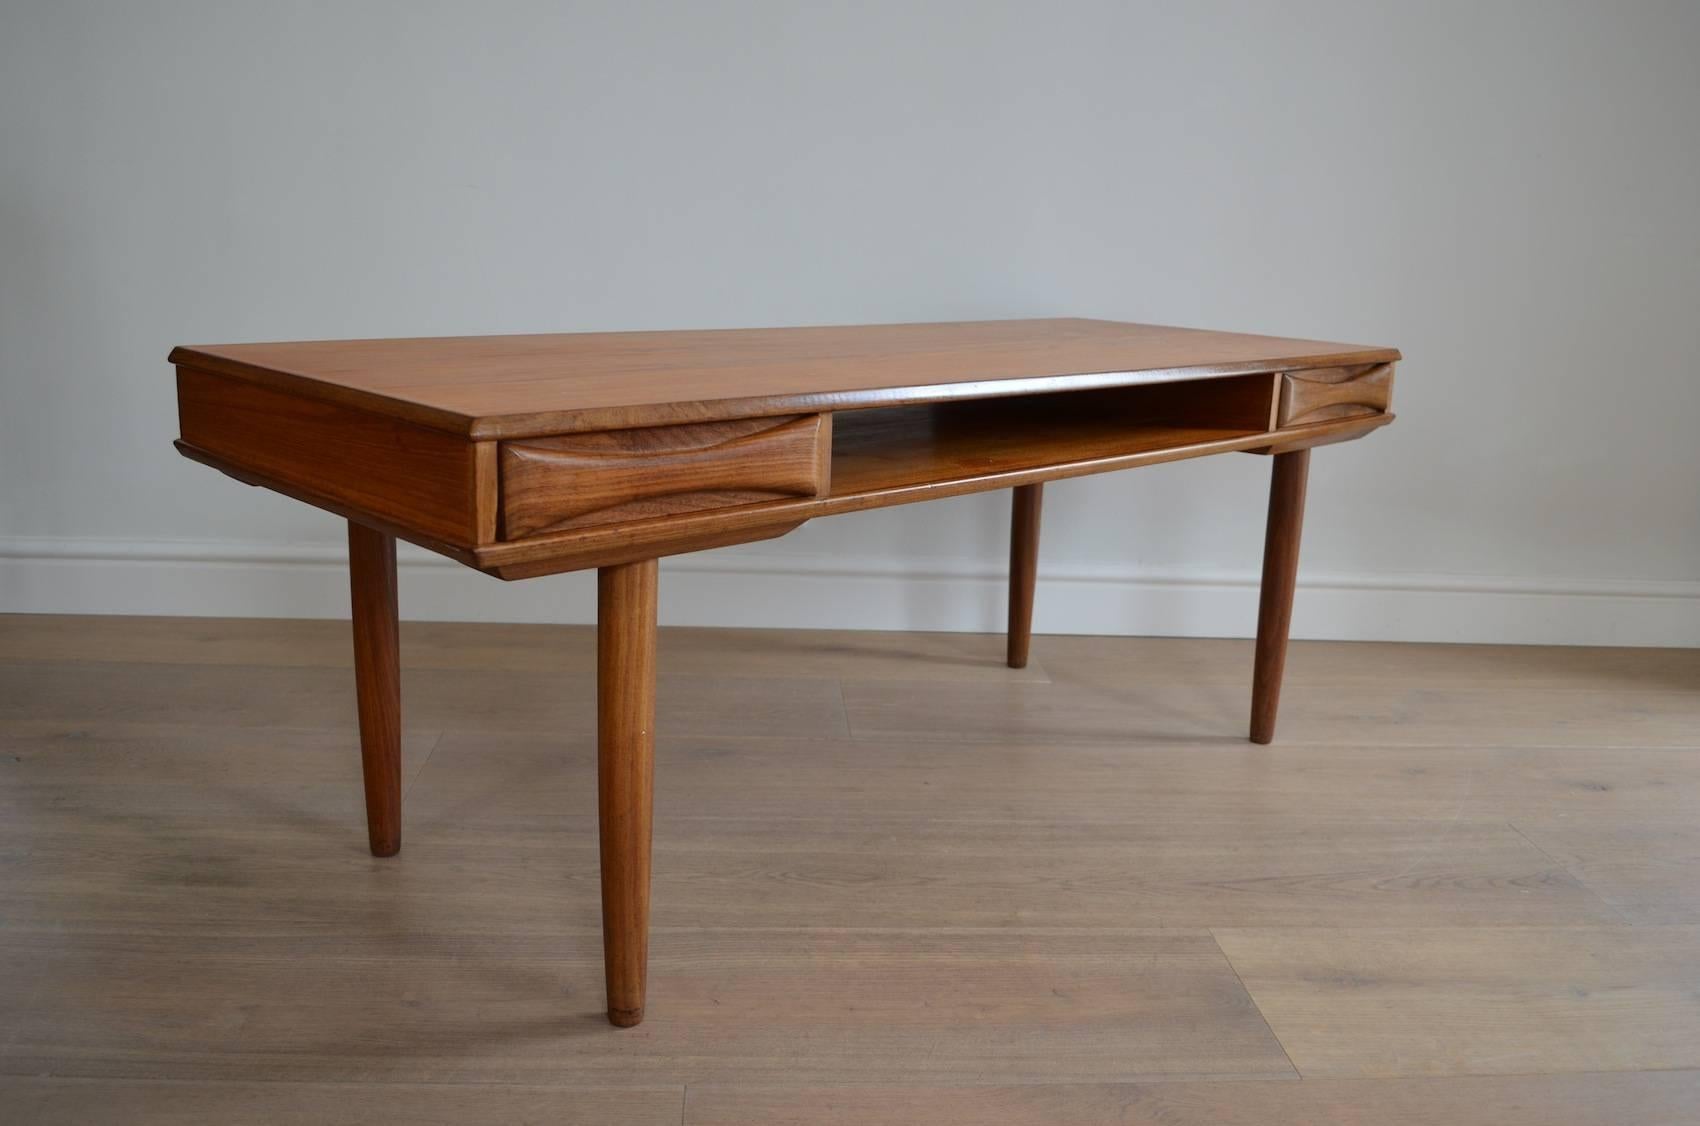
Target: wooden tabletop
{"x":525,"y":386}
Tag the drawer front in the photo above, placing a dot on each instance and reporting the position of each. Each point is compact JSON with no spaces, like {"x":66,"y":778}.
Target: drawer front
{"x":578,"y":480}
{"x":1325,"y":394}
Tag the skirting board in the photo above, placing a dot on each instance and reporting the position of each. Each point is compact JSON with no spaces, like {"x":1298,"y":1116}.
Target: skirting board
{"x":738,"y":588}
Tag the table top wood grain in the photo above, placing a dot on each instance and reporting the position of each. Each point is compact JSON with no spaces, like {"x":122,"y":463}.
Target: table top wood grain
{"x":502,"y":387}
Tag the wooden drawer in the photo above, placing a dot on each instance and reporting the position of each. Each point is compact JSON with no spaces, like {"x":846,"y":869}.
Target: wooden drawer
{"x":1325,"y":394}
{"x":606,"y":477}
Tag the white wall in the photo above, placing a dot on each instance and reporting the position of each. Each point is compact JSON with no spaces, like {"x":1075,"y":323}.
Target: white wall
{"x":1510,"y":192}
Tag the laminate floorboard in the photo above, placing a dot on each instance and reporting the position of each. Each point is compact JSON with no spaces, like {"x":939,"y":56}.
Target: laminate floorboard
{"x":894,"y":882}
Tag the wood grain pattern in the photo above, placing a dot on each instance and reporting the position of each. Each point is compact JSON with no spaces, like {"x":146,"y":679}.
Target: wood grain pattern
{"x":1139,"y":709}
{"x":612,"y":545}
{"x":402,"y":531}
{"x":1152,"y":692}
{"x":219,"y":697}
{"x":1476,"y":1001}
{"x":625,"y":776}
{"x":1601,"y":1099}
{"x":1323,"y":434}
{"x":377,"y":681}
{"x":782,"y":831}
{"x":527,"y":386}
{"x":486,"y":490}
{"x":1241,"y":402}
{"x":1280,"y":578}
{"x":988,"y":835}
{"x":1637,"y":844}
{"x":1330,"y":393}
{"x":930,"y":926}
{"x":1402,"y":805}
{"x":550,"y":484}
{"x":533,"y":648}
{"x":1432,"y":671}
{"x":1025,"y":502}
{"x":1663,"y":1098}
{"x":387,"y":1004}
{"x":368,"y":463}
{"x":138,"y":1102}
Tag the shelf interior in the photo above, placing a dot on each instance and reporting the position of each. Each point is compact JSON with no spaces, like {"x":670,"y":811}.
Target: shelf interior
{"x":887,"y":448}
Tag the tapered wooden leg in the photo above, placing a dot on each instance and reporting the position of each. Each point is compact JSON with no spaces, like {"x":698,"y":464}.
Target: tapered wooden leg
{"x":1280,"y":573}
{"x":625,"y":775}
{"x":377,"y":681}
{"x":1023,"y":569}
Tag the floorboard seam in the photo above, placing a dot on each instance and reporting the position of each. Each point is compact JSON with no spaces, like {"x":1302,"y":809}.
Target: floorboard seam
{"x":413,"y":780}
{"x":844,"y":709}
{"x":1261,"y":1015}
{"x":1575,"y":875}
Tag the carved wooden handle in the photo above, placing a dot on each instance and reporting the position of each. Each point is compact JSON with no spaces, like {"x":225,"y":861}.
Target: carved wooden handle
{"x":1324,"y":394}
{"x":551,"y":484}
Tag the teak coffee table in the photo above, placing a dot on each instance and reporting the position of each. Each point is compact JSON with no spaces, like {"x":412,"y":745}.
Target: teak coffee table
{"x":532,"y":455}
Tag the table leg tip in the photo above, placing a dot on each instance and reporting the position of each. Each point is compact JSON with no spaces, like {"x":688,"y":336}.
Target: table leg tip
{"x":385,"y":848}
{"x":625,"y":1018}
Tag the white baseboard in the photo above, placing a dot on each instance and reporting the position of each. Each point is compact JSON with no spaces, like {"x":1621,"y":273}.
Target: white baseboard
{"x":736,"y":587}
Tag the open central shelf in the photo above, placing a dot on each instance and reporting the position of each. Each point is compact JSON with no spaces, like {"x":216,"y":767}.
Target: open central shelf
{"x":890,"y":449}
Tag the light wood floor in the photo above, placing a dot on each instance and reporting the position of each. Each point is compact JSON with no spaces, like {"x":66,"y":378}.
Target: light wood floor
{"x":895,"y":882}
